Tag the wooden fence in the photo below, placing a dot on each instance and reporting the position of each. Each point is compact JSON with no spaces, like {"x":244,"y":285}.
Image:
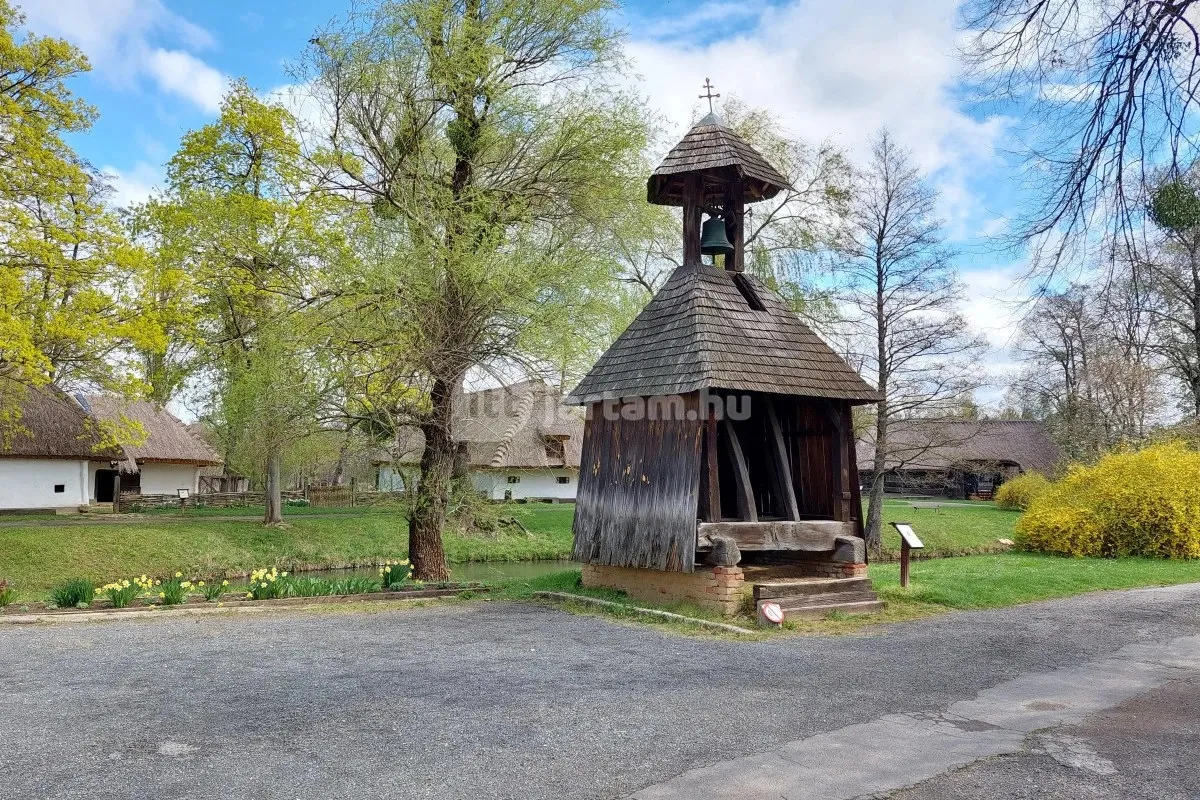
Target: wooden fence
{"x":319,"y":496}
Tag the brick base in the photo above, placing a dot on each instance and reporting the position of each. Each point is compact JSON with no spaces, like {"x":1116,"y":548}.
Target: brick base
{"x":831,"y":569}
{"x":718,"y":589}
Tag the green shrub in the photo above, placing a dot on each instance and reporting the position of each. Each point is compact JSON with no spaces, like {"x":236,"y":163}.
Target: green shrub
{"x":265,"y":584}
{"x":393,"y":574}
{"x":174,"y":591}
{"x":73,"y":593}
{"x":7,"y":593}
{"x":308,"y":587}
{"x":1144,"y":503}
{"x":120,"y":593}
{"x":212,"y":591}
{"x":357,"y":584}
{"x":1016,"y":494}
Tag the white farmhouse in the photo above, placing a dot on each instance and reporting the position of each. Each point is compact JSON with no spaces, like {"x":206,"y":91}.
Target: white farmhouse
{"x":517,"y":442}
{"x":165,"y":457}
{"x":49,"y":450}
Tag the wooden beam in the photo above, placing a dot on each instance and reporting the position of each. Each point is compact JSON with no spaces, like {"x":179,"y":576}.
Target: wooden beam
{"x":741,"y":473}
{"x":783,"y":470}
{"x":711,"y":471}
{"x":810,"y":536}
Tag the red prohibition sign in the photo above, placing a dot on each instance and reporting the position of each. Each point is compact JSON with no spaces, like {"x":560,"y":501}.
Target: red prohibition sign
{"x":772,"y":612}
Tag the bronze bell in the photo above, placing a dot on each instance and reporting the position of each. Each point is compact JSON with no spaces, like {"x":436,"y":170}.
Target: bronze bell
{"x":713,"y":239}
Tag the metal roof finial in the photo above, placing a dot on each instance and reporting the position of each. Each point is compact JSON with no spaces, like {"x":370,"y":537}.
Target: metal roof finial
{"x":708,"y":94}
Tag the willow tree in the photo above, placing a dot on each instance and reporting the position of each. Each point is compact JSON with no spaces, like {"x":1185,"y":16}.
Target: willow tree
{"x":68,"y":305}
{"x":488,"y":141}
{"x":252,"y":240}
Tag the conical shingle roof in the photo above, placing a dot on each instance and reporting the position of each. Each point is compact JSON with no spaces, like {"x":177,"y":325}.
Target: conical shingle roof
{"x":709,"y":328}
{"x":710,"y":146}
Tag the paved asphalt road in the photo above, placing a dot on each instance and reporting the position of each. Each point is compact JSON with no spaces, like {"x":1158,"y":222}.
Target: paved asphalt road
{"x":498,"y":700}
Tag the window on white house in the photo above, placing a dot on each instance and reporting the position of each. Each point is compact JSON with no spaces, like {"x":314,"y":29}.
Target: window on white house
{"x":563,"y":479}
{"x":556,"y":449}
{"x":59,"y":488}
{"x":513,"y":479}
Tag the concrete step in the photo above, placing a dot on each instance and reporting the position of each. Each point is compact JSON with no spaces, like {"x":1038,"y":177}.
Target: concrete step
{"x":774,"y":590}
{"x":824,"y":610}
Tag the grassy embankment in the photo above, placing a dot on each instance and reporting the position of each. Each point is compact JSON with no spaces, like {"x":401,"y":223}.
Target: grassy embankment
{"x":34,"y":559}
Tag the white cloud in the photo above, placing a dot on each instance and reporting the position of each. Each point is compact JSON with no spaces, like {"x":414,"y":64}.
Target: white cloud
{"x":183,"y":74}
{"x":133,"y":185}
{"x":124,"y":39}
{"x":840,"y":71}
{"x":835,"y":70}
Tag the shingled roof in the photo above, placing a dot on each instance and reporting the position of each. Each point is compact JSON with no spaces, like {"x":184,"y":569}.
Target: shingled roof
{"x":506,"y":428}
{"x":940,"y":444}
{"x":166,"y":440}
{"x":710,"y":145}
{"x":703,"y":331}
{"x":50,"y":424}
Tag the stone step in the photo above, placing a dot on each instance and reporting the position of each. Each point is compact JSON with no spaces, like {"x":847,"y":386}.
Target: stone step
{"x":822,"y":611}
{"x":772,"y":590}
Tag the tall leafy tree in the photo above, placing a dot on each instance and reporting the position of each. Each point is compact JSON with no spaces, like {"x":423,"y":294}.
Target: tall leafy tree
{"x":69,"y":309}
{"x":254,"y":243}
{"x":495,"y":155}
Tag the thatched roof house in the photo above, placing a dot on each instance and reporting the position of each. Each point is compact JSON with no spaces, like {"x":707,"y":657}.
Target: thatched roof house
{"x":518,"y":441}
{"x":167,"y":458}
{"x":46,"y":449}
{"x":51,"y":424}
{"x":960,"y":457}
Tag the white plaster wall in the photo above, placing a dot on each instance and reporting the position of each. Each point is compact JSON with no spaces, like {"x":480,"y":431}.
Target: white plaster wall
{"x":169,"y":478}
{"x":533,"y":483}
{"x":91,"y":478}
{"x":389,"y":479}
{"x":494,"y":483}
{"x":29,"y":483}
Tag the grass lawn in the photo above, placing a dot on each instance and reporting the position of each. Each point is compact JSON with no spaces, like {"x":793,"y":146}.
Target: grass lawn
{"x":969,"y":582}
{"x":992,"y":581}
{"x":950,"y":530}
{"x":34,"y":559}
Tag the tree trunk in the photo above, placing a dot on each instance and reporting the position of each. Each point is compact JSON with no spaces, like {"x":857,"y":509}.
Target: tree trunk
{"x":874,"y":526}
{"x":428,"y":516}
{"x":274,"y":497}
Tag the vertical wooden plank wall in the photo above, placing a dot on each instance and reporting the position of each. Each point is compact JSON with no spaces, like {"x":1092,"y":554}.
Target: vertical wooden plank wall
{"x":639,"y":488}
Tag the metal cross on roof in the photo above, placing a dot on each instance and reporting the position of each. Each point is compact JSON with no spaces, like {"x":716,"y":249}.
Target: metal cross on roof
{"x":708,"y":94}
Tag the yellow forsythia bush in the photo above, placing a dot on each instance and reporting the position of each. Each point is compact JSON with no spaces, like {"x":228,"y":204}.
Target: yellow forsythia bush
{"x":1144,"y":503}
{"x":1016,"y":494}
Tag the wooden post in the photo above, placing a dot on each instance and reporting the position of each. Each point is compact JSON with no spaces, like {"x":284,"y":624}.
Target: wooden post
{"x":353,"y":487}
{"x":735,"y":210}
{"x":711,"y":474}
{"x":692,"y":200}
{"x":117,"y":492}
{"x":905,"y":554}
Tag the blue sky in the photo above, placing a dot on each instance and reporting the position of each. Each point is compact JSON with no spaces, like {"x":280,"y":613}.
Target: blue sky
{"x":829,"y":69}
